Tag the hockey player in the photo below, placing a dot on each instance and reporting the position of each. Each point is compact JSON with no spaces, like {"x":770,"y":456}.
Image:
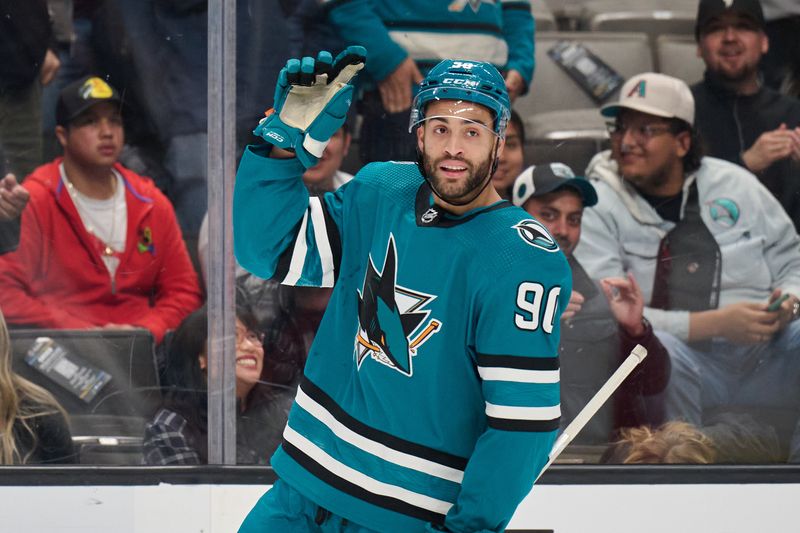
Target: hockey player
{"x":430,"y":397}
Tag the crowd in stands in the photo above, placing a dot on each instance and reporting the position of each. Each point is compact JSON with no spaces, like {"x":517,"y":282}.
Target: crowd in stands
{"x":681,"y":233}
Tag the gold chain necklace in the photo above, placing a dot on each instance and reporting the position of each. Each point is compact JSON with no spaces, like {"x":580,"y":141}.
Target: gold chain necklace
{"x":77,"y":199}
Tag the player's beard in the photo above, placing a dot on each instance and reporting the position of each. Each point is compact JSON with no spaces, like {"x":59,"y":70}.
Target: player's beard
{"x":456,"y":193}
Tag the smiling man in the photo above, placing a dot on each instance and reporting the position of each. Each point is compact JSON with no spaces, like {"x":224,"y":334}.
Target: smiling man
{"x":711,"y":248}
{"x":742,"y":120}
{"x":99,"y":245}
{"x":430,"y":398}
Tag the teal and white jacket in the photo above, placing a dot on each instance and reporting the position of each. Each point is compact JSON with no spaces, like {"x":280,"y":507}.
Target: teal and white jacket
{"x":431,"y":392}
{"x":497,"y":31}
{"x":759,"y":246}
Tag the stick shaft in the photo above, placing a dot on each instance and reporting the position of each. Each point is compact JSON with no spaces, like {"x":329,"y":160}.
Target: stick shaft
{"x":634,"y":358}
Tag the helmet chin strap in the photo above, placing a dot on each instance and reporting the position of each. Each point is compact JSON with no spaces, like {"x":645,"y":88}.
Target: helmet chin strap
{"x":486,"y":181}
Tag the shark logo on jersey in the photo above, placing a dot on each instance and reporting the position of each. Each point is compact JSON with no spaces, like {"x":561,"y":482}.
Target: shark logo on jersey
{"x":457,"y":6}
{"x":390,"y":317}
{"x":533,"y":233}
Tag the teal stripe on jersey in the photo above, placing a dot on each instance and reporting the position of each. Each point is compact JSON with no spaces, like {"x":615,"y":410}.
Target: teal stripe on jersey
{"x":521,"y":394}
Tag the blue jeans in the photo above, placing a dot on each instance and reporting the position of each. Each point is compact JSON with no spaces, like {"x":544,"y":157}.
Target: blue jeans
{"x":763,"y":376}
{"x":283,"y":509}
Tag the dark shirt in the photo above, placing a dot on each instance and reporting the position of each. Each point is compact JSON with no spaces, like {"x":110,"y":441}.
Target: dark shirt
{"x":9,"y":235}
{"x":25,"y":35}
{"x":592,"y":346}
{"x":731,"y":123}
{"x":50,"y":440}
{"x":667,"y":207}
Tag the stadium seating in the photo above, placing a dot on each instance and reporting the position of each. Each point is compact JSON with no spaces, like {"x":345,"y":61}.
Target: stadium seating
{"x":676,"y":55}
{"x":545,"y":20}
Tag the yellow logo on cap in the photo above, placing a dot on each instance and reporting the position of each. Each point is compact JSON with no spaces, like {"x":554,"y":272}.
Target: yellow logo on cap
{"x":95,"y":88}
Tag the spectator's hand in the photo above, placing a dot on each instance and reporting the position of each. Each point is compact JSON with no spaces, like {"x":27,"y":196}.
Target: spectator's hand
{"x":13,"y":198}
{"x":395,"y":89}
{"x":773,"y":146}
{"x":515,"y":84}
{"x":626,"y":302}
{"x":786,"y":310}
{"x":747,"y":323}
{"x":50,"y":67}
{"x":574,"y":306}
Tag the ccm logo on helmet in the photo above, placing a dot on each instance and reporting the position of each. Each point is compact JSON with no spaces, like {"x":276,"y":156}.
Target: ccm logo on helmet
{"x":460,"y":81}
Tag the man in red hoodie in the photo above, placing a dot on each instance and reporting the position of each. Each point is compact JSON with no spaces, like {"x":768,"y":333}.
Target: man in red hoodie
{"x":100,"y":246}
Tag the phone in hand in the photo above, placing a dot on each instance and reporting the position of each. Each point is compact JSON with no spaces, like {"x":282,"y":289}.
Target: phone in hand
{"x":776,"y":304}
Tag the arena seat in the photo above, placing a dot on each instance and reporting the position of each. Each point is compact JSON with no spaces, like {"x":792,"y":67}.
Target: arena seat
{"x":552,"y":88}
{"x":572,"y":137}
{"x":109,"y":428}
{"x":545,"y":20}
{"x":676,"y":55}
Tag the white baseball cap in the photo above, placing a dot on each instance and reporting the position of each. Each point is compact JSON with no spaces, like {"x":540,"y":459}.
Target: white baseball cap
{"x":655,"y":94}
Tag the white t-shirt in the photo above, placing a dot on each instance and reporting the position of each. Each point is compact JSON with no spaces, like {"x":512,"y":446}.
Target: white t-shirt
{"x":105,"y":219}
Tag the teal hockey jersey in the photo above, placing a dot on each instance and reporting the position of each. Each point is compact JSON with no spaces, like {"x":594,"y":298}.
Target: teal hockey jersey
{"x":431,"y":392}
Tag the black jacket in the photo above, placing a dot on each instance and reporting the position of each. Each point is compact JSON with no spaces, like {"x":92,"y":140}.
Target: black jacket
{"x":731,"y":123}
{"x":25,"y":36}
{"x":592,"y":346}
{"x":9,"y":235}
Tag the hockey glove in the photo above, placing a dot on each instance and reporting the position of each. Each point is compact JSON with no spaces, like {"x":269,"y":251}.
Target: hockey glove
{"x":311,"y":103}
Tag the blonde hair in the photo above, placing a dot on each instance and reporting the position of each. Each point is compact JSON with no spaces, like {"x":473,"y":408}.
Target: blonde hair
{"x":673,"y":443}
{"x":14,"y":391}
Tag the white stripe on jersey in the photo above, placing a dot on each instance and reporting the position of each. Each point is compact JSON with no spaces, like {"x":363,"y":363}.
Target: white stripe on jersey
{"x":516,"y":375}
{"x":321,"y":236}
{"x":523,"y":413}
{"x":298,"y":255}
{"x":377,"y":449}
{"x":362,"y":480}
{"x":430,"y":45}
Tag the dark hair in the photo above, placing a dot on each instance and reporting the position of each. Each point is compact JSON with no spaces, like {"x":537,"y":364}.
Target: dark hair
{"x":185,"y":382}
{"x":516,"y":120}
{"x":693,"y":158}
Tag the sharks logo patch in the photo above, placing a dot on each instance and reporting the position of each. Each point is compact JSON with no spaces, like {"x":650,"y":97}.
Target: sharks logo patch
{"x":391,"y":317}
{"x":533,"y":233}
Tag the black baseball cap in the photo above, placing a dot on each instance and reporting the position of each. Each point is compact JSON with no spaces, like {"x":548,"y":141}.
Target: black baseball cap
{"x":709,"y":9}
{"x":539,"y":180}
{"x":80,"y":95}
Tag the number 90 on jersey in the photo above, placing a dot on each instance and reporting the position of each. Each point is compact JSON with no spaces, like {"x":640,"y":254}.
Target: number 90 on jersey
{"x":530,"y":313}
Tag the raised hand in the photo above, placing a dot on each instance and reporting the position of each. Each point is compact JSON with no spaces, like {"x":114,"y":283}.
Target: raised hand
{"x":311,"y":101}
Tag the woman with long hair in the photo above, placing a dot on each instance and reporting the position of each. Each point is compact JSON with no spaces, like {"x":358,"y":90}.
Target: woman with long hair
{"x":178,"y":434}
{"x":33,"y":426}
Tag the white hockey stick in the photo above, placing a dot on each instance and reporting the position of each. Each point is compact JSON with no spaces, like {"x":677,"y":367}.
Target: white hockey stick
{"x":636,"y":356}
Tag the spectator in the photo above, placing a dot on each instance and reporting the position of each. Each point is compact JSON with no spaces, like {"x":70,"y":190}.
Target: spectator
{"x":512,"y":159}
{"x":711,"y":248}
{"x":740,"y":119}
{"x":13,"y":199}
{"x":781,"y":64}
{"x":99,"y":246}
{"x":179,"y":431}
{"x":27,"y":62}
{"x":33,"y":426}
{"x":406,"y":38}
{"x":598,"y":331}
{"x":672,"y":443}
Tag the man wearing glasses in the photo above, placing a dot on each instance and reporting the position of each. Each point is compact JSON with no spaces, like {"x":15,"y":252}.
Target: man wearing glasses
{"x":717,"y":257}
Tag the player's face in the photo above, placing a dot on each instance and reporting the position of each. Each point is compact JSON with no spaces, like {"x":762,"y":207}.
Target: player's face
{"x":511,"y":162}
{"x":95,"y":138}
{"x":321,"y":174}
{"x":249,"y":358}
{"x":732,"y":45}
{"x":647,"y":152}
{"x":457,"y":144}
{"x":561,"y":212}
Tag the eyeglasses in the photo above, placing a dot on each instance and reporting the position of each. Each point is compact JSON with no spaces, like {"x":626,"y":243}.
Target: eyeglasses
{"x":641,"y":134}
{"x":254,"y":337}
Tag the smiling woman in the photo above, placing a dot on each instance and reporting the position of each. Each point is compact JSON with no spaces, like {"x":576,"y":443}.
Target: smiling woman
{"x":178,"y":433}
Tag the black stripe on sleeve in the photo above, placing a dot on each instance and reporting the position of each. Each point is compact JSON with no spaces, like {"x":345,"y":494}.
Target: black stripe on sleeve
{"x":386,"y":502}
{"x":520,"y":363}
{"x":396,"y":443}
{"x":285,"y":260}
{"x":522,"y":6}
{"x":334,"y":239}
{"x":537,"y":426}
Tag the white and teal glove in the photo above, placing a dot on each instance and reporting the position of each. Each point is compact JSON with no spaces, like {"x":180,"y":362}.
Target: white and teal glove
{"x":311,"y":102}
